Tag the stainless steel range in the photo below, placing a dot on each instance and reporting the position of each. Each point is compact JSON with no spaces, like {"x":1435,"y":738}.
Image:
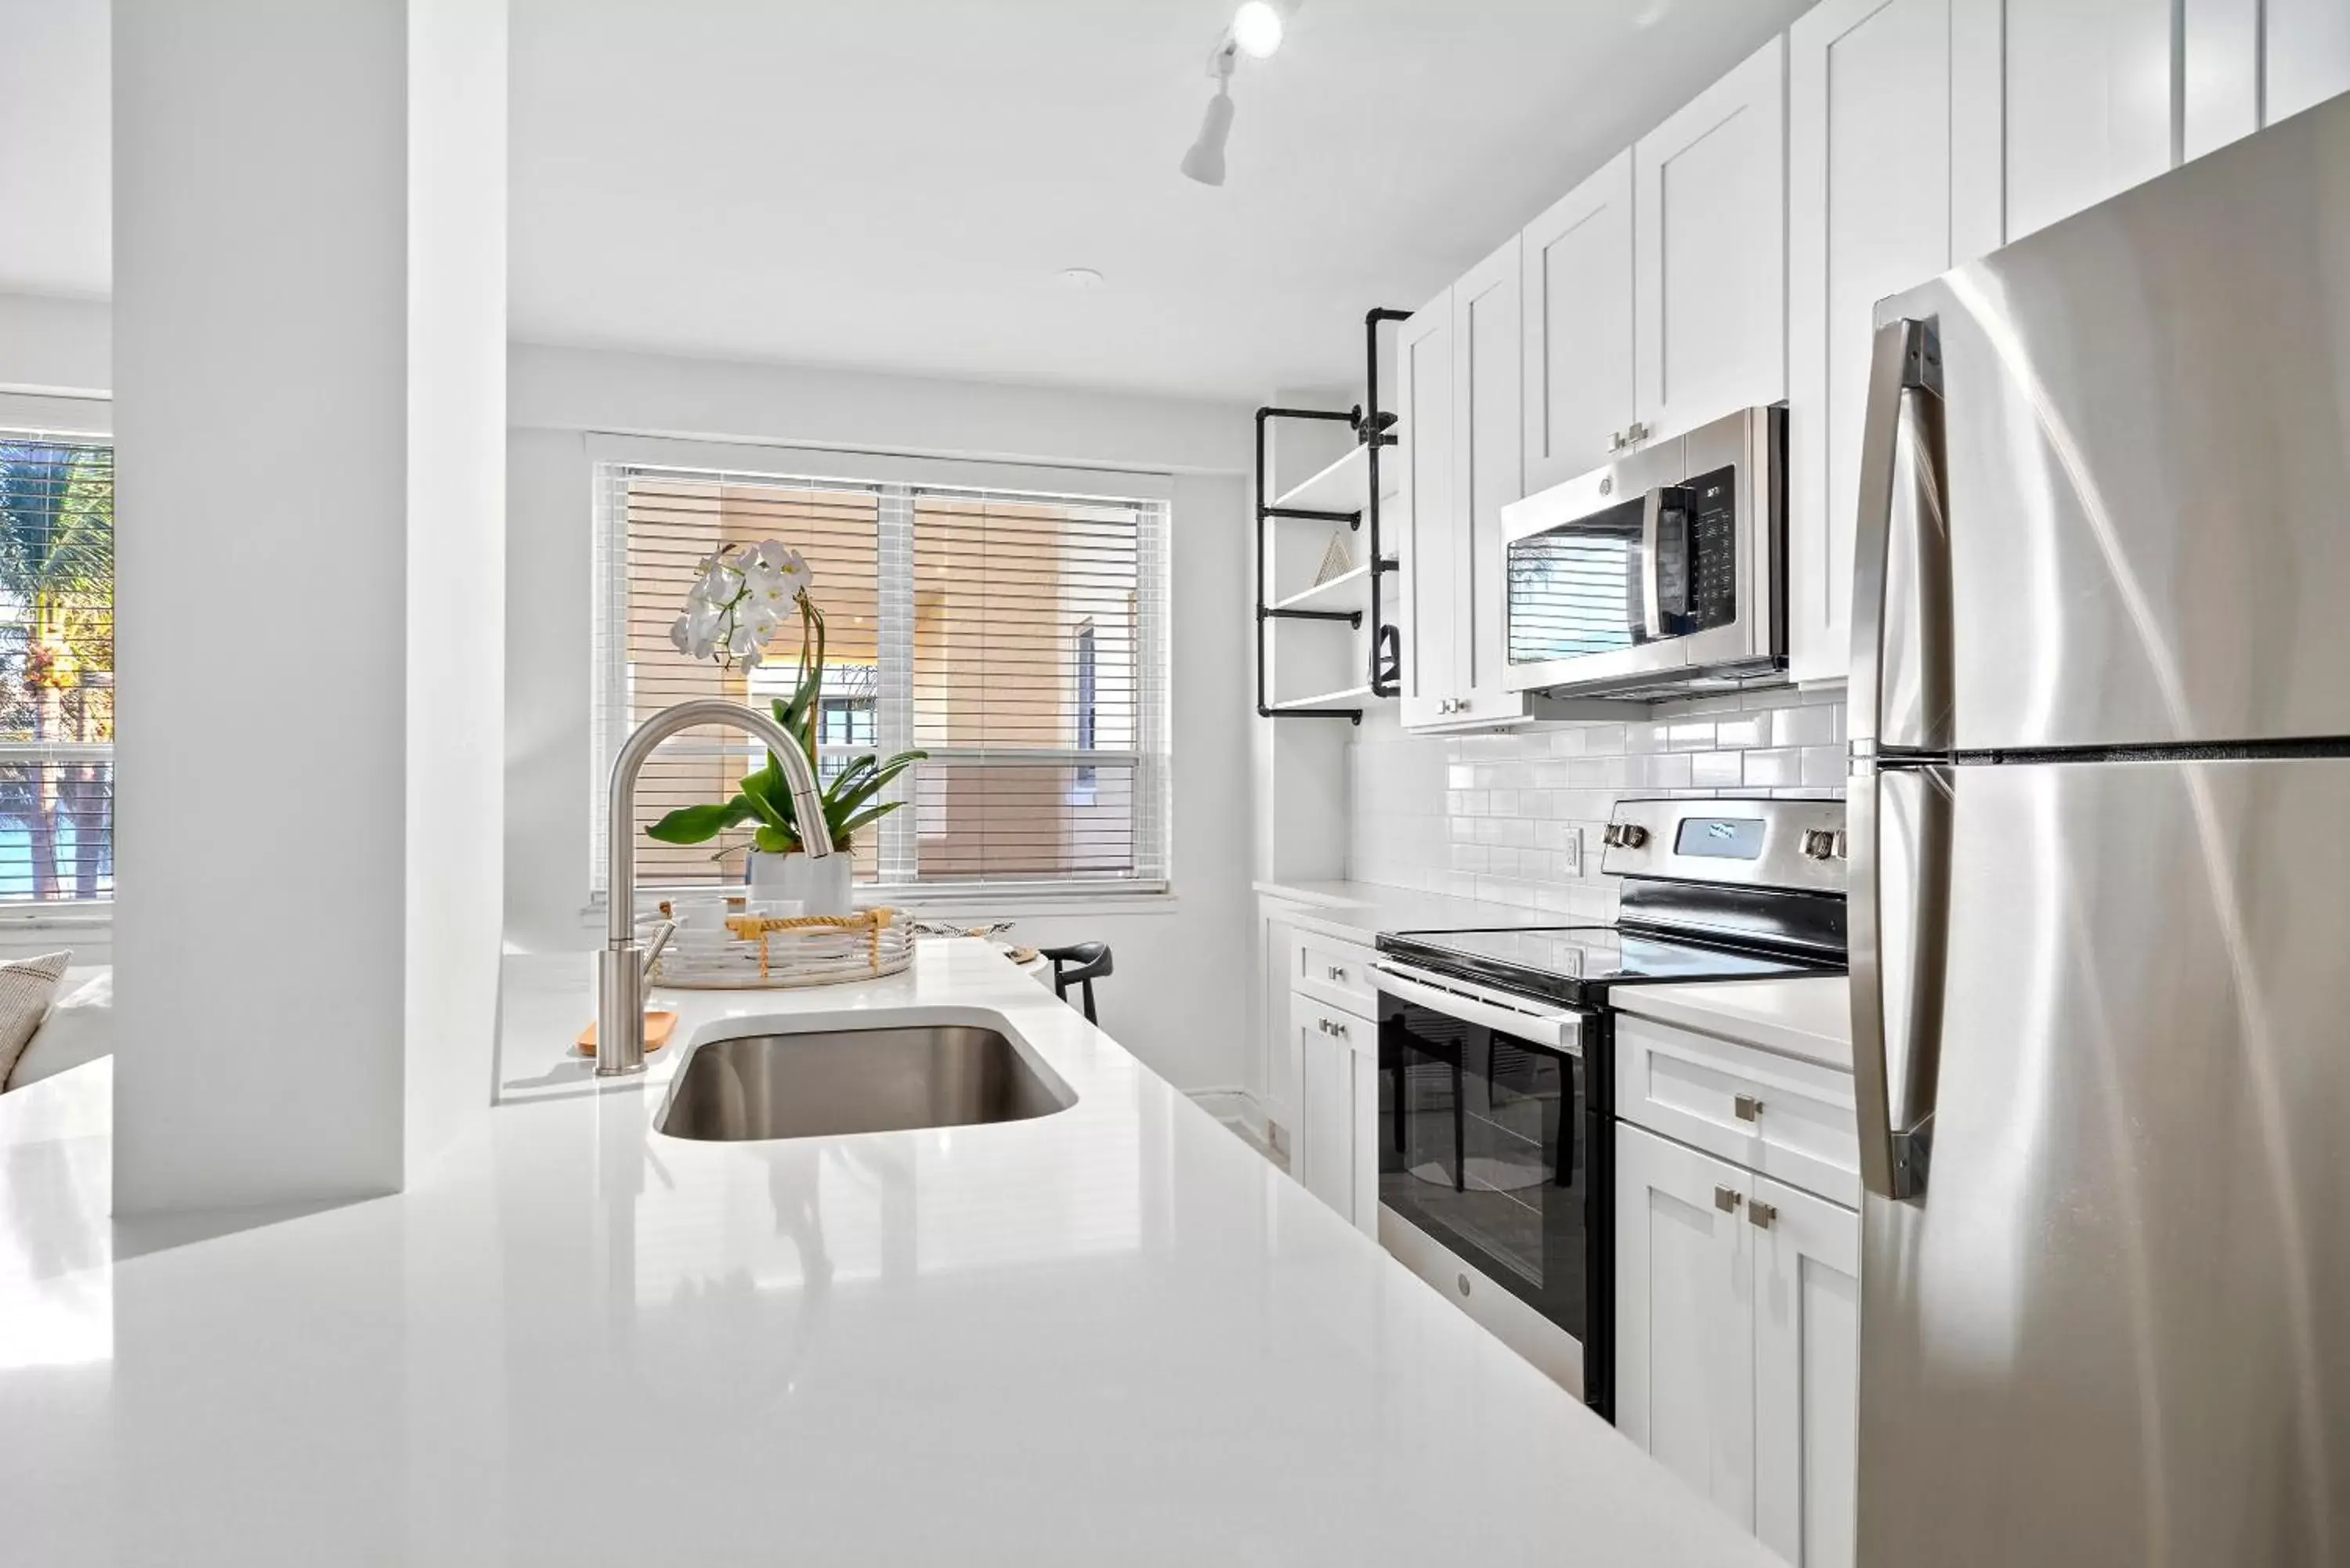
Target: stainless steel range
{"x":1496,"y":1059}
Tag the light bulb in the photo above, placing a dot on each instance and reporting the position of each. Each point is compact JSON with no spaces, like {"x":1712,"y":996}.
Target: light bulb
{"x":1256,"y":28}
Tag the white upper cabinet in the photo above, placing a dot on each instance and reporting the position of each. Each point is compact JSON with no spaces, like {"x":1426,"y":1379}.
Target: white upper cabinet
{"x":2219,"y":98}
{"x":1428,"y":537}
{"x":1489,"y":431}
{"x":1709,"y":287}
{"x":2307,"y":52}
{"x":1458,"y":453}
{"x":2058,"y":105}
{"x":1869,"y":214}
{"x":1577,"y":308}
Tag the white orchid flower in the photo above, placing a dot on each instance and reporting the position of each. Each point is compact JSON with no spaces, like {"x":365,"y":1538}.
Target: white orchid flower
{"x":721,"y":584}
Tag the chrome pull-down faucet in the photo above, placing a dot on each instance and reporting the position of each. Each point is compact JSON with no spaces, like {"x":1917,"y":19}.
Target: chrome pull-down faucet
{"x":621,"y":967}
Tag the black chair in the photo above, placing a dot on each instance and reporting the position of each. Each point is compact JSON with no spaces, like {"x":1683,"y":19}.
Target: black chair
{"x":1088,"y":962}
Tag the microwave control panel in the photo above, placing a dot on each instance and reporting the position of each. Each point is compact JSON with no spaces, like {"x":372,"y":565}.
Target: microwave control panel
{"x":1697,"y":565}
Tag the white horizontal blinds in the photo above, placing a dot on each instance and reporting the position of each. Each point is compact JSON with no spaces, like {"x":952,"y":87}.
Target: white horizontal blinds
{"x":57,"y":668}
{"x":1030,"y":691}
{"x":1018,"y":637}
{"x":674,"y":521}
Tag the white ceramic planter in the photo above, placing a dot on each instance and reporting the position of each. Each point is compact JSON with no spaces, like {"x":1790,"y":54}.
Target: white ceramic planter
{"x":820,"y":887}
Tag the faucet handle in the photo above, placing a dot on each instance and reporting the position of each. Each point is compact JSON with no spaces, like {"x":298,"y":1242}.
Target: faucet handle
{"x":663,"y":932}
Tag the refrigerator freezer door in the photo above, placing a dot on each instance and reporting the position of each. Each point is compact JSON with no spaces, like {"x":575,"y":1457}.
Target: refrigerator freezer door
{"x":2146,"y":414}
{"x":2113,"y":1327}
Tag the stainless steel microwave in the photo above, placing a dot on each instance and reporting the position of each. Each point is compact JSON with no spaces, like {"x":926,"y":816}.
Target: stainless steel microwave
{"x":1663,"y":572}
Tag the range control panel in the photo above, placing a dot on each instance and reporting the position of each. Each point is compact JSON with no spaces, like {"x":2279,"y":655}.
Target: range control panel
{"x":1790,"y":844}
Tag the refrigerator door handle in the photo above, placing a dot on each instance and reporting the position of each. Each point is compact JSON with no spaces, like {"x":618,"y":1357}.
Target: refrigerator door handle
{"x":1900,"y":819}
{"x":1900,"y":688}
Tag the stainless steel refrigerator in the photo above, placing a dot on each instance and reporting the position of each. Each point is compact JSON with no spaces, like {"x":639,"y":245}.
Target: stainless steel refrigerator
{"x":2100,"y":884}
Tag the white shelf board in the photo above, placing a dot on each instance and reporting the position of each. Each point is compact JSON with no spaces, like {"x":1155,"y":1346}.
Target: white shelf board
{"x":1339,"y":593}
{"x":1351,"y":697}
{"x":1344,"y":486}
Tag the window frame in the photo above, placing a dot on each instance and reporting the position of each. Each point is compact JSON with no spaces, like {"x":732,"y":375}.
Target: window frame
{"x":33,"y":419}
{"x":612,"y":456}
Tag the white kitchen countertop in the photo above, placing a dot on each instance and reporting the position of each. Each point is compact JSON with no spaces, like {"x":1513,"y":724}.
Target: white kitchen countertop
{"x":1810,"y":1018}
{"x":1361,"y":910}
{"x":1113,"y":1334}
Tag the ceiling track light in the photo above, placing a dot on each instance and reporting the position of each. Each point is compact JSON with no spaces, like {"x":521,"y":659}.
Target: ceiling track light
{"x":1205,"y":162}
{"x":1256,"y":31}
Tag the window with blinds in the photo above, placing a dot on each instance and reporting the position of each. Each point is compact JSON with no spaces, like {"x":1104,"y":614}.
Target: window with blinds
{"x":57,"y":670}
{"x":1016,"y":638}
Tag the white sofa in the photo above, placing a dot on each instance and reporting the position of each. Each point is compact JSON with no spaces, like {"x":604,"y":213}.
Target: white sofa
{"x":79,"y":1027}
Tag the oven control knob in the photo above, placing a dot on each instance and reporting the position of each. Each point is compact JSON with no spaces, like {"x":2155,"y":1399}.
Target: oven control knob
{"x":1624,"y":835}
{"x":1823,"y":843}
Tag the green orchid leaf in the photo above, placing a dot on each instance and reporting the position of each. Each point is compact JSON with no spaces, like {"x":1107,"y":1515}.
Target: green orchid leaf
{"x":769,"y":801}
{"x":700,"y":823}
{"x":844,"y":801}
{"x":776,"y":841}
{"x":840,"y":835}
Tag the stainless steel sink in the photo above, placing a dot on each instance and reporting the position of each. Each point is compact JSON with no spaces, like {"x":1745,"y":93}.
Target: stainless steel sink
{"x":855,"y":1081}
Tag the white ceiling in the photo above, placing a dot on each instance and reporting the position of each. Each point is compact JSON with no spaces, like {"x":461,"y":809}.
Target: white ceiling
{"x":896,"y":185}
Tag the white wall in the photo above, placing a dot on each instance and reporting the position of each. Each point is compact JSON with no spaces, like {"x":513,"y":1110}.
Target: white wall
{"x":49,"y":345}
{"x":308,"y":218}
{"x":1177,"y":998}
{"x":456,"y":507}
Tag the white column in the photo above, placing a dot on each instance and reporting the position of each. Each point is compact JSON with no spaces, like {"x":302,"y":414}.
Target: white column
{"x":308,"y":220}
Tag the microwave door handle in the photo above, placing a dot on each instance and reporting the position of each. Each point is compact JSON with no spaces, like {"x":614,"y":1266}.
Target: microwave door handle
{"x":1652,"y":518}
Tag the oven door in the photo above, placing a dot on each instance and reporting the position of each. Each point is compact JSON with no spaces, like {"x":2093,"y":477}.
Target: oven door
{"x":1492,"y":1146}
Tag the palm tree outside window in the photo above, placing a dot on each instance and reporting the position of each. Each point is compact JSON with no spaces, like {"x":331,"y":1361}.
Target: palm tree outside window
{"x":57,"y":670}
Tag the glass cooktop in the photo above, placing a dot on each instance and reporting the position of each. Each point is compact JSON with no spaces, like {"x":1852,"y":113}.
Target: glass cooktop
{"x":1576,"y":965}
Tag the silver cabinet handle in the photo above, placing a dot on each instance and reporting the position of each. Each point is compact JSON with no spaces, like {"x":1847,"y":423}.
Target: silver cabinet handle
{"x":1331,"y":1028}
{"x":1747,"y":1109}
{"x":1338,"y":973}
{"x":1760,"y":1215}
{"x":1728,"y":1199}
{"x":1635,"y":433}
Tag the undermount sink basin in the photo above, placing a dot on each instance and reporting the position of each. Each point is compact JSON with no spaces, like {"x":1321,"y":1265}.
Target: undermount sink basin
{"x":830,"y":1082}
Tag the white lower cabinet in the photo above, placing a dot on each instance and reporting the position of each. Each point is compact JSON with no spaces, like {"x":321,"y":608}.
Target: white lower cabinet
{"x":1806,"y":1275}
{"x":1335,"y":1152}
{"x":1737,"y":1341}
{"x":1685,"y":1316}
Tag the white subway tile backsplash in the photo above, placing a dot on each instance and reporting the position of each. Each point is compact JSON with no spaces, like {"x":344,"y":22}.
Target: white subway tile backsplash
{"x":1511,"y":798}
{"x":1717,"y":770}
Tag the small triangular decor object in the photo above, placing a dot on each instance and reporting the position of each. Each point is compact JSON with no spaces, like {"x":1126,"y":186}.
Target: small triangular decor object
{"x":1336,"y":561}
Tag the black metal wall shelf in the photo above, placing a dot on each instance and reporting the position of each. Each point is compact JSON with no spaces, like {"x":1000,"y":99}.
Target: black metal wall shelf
{"x":1373,"y":429}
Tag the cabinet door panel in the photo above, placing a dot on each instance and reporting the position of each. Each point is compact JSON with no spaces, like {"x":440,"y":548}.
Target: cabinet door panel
{"x":1488,"y":387}
{"x":1425,"y":539}
{"x":1577,"y":304}
{"x":1869,"y":216}
{"x":2308,"y":54}
{"x":1806,"y":1375}
{"x":1709,"y":281}
{"x":1334,"y":1156}
{"x":1684,"y":1316}
{"x":2071,"y":103}
{"x":2221,"y":100}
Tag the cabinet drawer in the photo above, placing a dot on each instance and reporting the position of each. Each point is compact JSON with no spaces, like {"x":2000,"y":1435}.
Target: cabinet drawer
{"x":1786,"y":1118}
{"x":1335,"y":971}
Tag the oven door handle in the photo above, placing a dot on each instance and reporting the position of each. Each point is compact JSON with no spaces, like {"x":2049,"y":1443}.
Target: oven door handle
{"x":1560,"y":1032}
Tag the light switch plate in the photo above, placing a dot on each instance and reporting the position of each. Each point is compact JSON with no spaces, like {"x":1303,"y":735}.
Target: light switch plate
{"x":1573,"y":850}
